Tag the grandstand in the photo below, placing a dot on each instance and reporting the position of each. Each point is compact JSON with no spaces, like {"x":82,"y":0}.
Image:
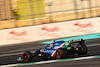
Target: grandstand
{"x":19,"y":13}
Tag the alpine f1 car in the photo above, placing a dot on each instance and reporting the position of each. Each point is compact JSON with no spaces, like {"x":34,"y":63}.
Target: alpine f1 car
{"x":56,"y":50}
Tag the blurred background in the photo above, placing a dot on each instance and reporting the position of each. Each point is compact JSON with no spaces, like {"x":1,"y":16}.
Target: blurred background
{"x":19,"y":13}
{"x":40,"y":17}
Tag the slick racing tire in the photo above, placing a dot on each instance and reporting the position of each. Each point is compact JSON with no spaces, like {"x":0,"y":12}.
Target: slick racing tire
{"x":82,"y":50}
{"x":27,"y":56}
{"x":61,"y":53}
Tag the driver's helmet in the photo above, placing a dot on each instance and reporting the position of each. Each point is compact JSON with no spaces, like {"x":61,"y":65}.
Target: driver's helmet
{"x":51,"y":45}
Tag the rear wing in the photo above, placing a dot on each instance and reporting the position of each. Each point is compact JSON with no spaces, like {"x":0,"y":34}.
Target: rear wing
{"x":76,"y":41}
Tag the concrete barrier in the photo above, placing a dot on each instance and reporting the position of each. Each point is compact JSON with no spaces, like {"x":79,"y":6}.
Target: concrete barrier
{"x":49,"y":31}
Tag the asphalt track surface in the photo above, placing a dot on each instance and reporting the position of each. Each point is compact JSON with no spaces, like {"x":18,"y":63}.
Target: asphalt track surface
{"x":8,"y":55}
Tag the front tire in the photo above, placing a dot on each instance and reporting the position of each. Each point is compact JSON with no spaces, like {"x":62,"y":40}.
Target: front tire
{"x":27,"y":56}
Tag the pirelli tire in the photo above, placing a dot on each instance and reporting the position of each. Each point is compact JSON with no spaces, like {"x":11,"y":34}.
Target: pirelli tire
{"x":82,"y":50}
{"x":61,"y":53}
{"x":27,"y":56}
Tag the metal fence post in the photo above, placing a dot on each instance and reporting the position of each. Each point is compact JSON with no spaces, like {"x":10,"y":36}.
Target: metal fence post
{"x":32,"y":11}
{"x":11,"y":13}
{"x":50,"y":11}
{"x":90,"y":8}
{"x":75,"y":8}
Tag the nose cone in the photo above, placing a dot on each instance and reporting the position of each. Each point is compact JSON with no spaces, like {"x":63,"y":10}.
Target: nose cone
{"x":19,"y":59}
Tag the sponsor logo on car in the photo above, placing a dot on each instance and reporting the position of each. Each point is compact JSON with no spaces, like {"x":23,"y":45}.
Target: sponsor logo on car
{"x":49,"y":50}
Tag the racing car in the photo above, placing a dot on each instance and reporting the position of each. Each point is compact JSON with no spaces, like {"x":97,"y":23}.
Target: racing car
{"x":56,"y":50}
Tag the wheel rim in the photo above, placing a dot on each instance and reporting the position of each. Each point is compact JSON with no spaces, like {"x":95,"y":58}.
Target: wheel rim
{"x":58,"y":54}
{"x":25,"y":56}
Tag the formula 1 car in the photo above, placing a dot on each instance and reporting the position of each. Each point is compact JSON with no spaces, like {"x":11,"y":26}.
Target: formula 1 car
{"x":56,"y":50}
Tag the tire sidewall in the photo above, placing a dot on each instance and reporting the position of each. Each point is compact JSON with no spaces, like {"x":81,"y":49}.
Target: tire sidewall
{"x":58,"y":57}
{"x":29,"y":56}
{"x":82,"y":50}
{"x":62,"y":53}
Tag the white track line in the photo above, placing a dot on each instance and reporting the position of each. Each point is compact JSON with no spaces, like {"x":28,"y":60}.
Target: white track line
{"x":81,"y":58}
{"x":11,"y":65}
{"x":13,"y":54}
{"x":49,"y":61}
{"x":93,"y":45}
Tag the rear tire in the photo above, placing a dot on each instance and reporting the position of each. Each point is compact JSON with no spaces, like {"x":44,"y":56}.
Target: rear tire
{"x":27,"y":56}
{"x":82,"y":50}
{"x":61,"y":53}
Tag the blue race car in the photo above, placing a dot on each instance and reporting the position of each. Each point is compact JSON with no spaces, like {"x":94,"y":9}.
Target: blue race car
{"x":56,"y":50}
